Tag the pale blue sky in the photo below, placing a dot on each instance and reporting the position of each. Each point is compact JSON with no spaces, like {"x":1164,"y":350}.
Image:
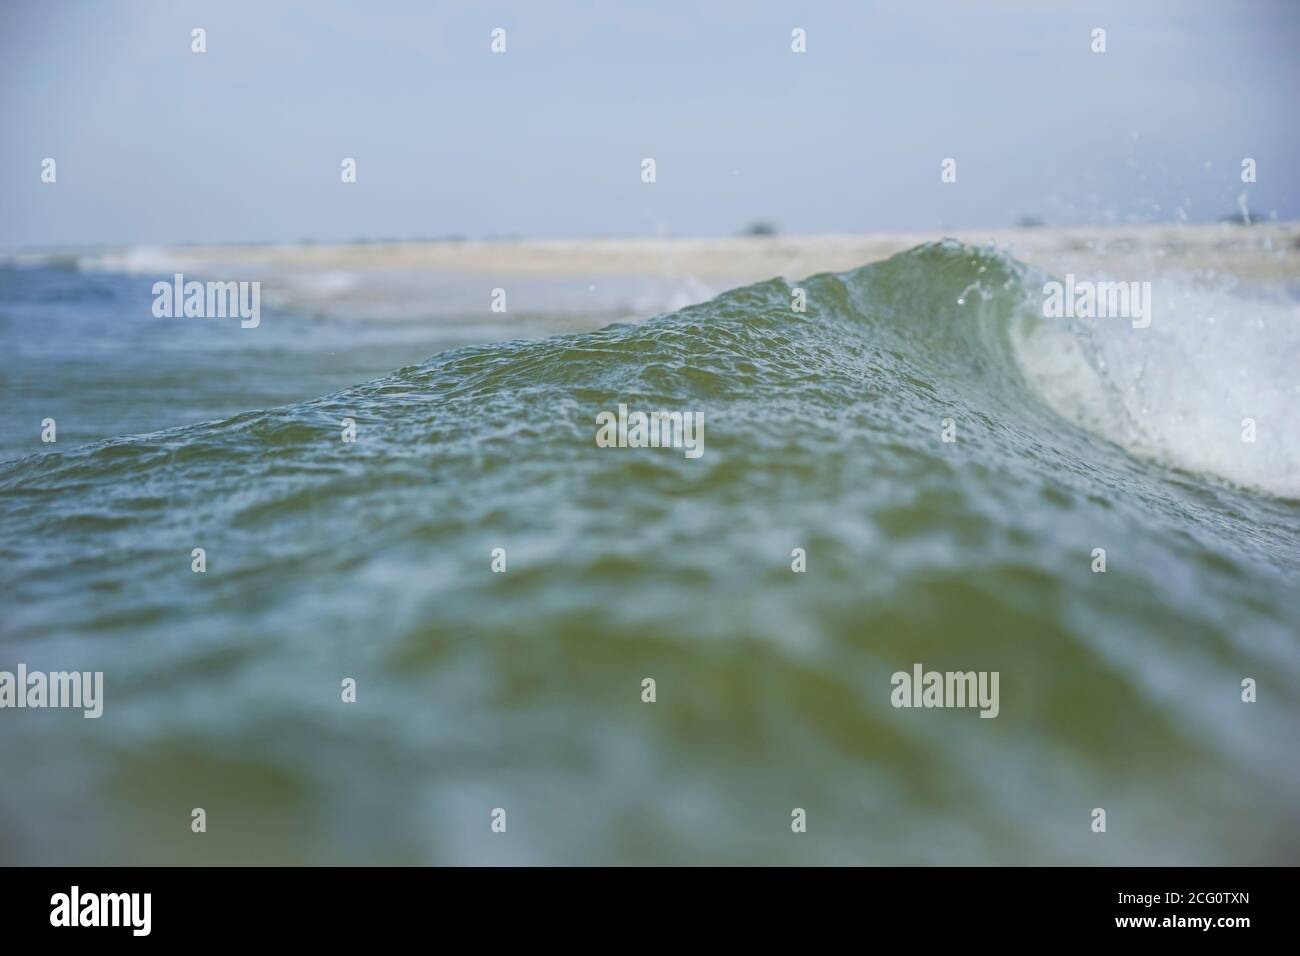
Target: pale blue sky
{"x":156,"y":144}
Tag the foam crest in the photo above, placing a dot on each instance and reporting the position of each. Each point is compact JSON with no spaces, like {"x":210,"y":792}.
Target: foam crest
{"x":1210,"y":387}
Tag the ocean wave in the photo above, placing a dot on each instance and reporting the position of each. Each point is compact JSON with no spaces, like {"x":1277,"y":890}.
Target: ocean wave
{"x":824,"y":432}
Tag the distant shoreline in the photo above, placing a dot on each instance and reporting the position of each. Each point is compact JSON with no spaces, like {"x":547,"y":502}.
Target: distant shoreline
{"x":638,"y":277}
{"x":733,"y":257}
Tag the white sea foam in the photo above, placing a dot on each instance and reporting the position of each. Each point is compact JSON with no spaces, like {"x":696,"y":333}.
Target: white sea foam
{"x":132,"y":260}
{"x":1180,"y":391}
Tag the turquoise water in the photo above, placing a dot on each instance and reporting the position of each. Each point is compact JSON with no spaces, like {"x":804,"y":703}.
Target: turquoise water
{"x":522,"y":690}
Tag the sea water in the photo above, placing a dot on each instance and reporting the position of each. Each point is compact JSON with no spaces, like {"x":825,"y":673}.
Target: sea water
{"x":515,"y":683}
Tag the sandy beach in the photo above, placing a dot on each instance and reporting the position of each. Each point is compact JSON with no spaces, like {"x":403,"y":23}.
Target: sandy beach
{"x":639,"y":277}
{"x":750,"y":258}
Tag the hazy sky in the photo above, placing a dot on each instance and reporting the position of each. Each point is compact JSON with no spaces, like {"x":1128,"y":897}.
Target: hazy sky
{"x":244,"y":142}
